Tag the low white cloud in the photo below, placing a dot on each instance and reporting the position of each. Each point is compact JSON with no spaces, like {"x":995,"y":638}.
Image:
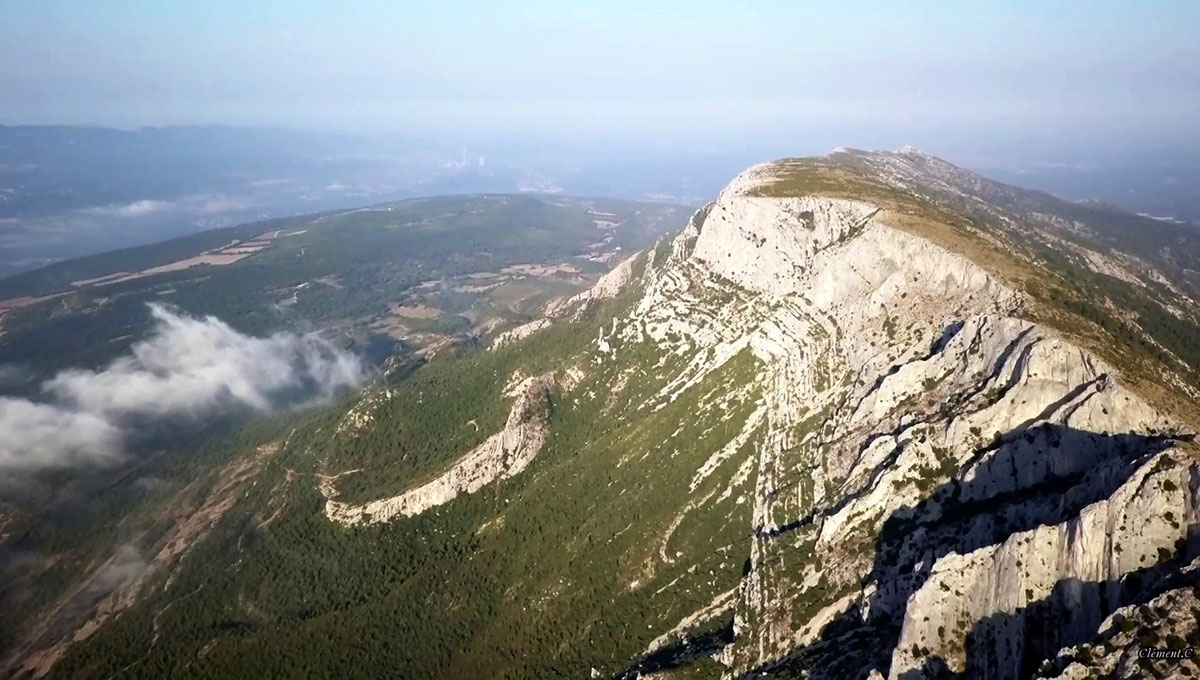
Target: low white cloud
{"x":188,"y":367}
{"x":197,"y":366}
{"x":133,"y":209}
{"x":42,"y":435}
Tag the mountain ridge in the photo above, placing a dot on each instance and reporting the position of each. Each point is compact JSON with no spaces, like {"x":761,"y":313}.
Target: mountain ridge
{"x":745,"y":257}
{"x":839,"y":426}
{"x":747,"y":261}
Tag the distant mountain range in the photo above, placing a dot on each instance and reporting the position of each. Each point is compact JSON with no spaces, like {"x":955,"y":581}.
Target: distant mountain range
{"x":72,"y":191}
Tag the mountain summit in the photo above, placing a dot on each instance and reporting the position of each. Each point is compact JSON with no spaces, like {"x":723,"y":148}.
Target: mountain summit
{"x":868,"y":415}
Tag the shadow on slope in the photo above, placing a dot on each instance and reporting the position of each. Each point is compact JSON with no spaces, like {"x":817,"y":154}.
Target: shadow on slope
{"x":1069,"y":616}
{"x":681,"y":653}
{"x":1041,"y":475}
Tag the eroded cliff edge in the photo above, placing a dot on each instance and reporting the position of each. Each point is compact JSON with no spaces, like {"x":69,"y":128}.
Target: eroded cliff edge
{"x":940,"y":481}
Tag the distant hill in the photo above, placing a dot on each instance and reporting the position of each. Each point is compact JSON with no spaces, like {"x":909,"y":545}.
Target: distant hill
{"x":92,"y":307}
{"x":66,"y":192}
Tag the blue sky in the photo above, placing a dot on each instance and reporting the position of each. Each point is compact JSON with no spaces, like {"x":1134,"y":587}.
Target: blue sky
{"x":998,"y":73}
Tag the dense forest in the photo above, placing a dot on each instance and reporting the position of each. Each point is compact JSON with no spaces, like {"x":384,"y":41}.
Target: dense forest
{"x":545,"y":575}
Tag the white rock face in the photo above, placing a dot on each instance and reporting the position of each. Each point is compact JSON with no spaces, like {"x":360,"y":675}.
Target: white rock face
{"x":918,"y":437}
{"x":504,"y":454}
{"x":932,"y":478}
{"x":608,"y":286}
{"x":523,"y":331}
{"x":1005,"y":581}
{"x":762,"y":244}
{"x":1171,"y":618}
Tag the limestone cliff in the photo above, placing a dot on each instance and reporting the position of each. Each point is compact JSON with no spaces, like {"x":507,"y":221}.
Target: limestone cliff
{"x":503,"y":454}
{"x":936,"y":470}
{"x":867,"y":415}
{"x":959,"y":454}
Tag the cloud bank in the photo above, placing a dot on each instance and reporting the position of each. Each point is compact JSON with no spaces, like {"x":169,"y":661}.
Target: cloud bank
{"x":42,"y":435}
{"x":188,"y":368}
{"x":134,"y":209}
{"x":194,"y":204}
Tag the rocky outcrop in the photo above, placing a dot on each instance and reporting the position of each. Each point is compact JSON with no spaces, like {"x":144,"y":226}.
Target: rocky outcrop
{"x":608,"y":286}
{"x":1158,"y":638}
{"x":831,"y":430}
{"x":502,"y":455}
{"x":938,"y":484}
{"x":973,"y":612}
{"x":930,"y":464}
{"x":523,"y":331}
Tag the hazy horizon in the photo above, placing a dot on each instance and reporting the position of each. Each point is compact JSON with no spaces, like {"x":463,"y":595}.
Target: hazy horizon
{"x":984,"y":82}
{"x":373,"y":101}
